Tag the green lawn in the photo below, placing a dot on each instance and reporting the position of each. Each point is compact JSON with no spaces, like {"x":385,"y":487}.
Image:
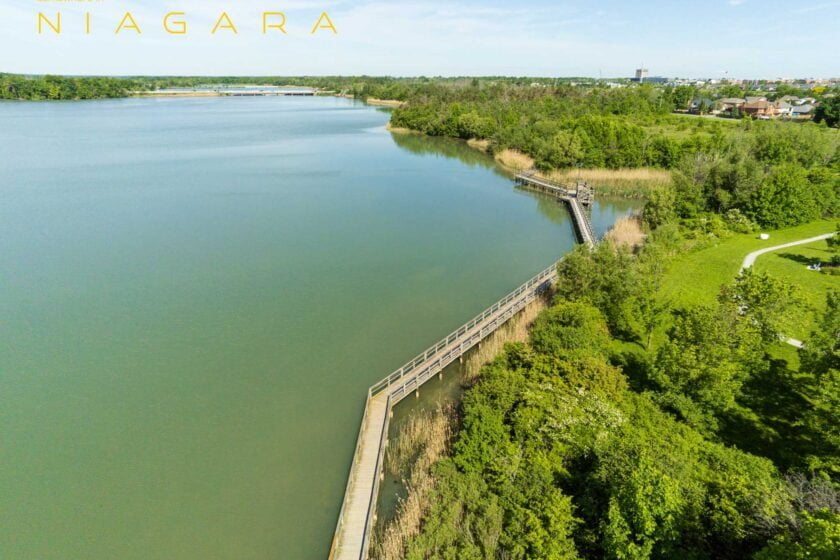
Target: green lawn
{"x":791,"y":265}
{"x":696,"y":277}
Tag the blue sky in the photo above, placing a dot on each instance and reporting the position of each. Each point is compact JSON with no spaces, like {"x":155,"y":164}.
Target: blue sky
{"x":712,"y":38}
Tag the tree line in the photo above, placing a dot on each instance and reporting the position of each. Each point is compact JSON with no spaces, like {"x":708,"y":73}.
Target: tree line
{"x":593,"y":440}
{"x":62,"y":87}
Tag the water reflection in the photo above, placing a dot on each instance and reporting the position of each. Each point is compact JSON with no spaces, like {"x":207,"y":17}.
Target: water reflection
{"x":603,"y":212}
{"x":447,"y":147}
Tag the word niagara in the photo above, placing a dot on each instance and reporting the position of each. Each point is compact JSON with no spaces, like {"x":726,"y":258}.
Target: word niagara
{"x":176,"y":23}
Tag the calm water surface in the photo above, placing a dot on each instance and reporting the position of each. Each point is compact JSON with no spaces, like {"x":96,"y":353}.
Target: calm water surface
{"x":194,"y":296}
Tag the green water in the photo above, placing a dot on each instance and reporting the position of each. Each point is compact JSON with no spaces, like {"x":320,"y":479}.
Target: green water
{"x":194,"y":296}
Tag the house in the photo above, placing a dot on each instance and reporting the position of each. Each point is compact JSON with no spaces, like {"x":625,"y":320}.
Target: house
{"x":783,"y":108}
{"x":759,"y":109}
{"x":802,"y":110}
{"x":788,"y":99}
{"x":728,"y":104}
{"x":754,"y":99}
{"x":700,"y":105}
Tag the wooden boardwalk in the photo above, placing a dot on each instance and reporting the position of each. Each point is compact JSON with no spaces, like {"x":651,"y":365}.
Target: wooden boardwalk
{"x":351,"y":540}
{"x":576,"y":199}
{"x":355,"y":521}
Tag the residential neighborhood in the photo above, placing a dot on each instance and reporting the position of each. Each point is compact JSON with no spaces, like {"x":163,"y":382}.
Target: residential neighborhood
{"x":757,"y":107}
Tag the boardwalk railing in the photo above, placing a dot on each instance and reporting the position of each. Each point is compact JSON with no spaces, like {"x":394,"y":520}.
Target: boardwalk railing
{"x":405,"y":379}
{"x":574,"y":198}
{"x":402,"y":383}
{"x":351,"y":479}
{"x":358,"y":508}
{"x":582,"y":223}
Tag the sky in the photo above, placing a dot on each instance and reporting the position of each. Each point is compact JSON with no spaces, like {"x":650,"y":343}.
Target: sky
{"x":597,"y":38}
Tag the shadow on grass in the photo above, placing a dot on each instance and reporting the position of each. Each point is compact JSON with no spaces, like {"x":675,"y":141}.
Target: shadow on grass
{"x":769,"y":422}
{"x":802,"y":259}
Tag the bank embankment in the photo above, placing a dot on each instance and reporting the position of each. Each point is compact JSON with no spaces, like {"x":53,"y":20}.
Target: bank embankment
{"x":631,"y":183}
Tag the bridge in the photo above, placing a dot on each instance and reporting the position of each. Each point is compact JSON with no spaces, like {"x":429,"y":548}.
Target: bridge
{"x":583,"y":195}
{"x":351,"y":540}
{"x":268,"y":93}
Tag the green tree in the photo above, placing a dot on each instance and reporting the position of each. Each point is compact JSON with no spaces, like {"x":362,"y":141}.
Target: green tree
{"x":834,"y":242}
{"x":817,"y":539}
{"x":822,"y":349}
{"x":660,"y":207}
{"x":786,"y":198}
{"x":570,"y":329}
{"x":829,"y":111}
{"x":759,"y":300}
{"x":603,"y":277}
{"x":698,"y":370}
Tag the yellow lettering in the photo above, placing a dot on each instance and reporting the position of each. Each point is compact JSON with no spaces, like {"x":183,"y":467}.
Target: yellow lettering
{"x":280,"y":26}
{"x":128,"y":23}
{"x":176,"y":27}
{"x":324,"y":22}
{"x":229,"y":25}
{"x":87,"y":23}
{"x":44,"y":19}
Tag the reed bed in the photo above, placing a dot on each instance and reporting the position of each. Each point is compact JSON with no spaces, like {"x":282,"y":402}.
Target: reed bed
{"x":627,"y":231}
{"x":636,"y":182}
{"x":515,"y":160}
{"x":421,"y":442}
{"x":627,"y":183}
{"x":479,"y":144}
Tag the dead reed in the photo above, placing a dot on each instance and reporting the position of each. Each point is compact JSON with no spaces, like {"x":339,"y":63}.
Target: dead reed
{"x":627,"y":231}
{"x":421,"y":442}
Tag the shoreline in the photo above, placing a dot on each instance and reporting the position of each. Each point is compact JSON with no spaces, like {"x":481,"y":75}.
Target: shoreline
{"x":627,"y":183}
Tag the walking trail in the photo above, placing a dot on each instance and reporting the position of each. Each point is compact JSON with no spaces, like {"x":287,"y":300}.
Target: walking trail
{"x":750,"y":259}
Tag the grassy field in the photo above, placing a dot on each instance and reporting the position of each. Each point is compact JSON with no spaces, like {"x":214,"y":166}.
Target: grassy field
{"x":696,"y":277}
{"x":791,"y":265}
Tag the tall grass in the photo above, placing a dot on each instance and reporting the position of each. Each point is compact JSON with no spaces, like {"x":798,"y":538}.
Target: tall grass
{"x":423,"y":440}
{"x":627,"y":183}
{"x":479,"y":144}
{"x":627,"y":231}
{"x":515,"y":330}
{"x":515,"y":160}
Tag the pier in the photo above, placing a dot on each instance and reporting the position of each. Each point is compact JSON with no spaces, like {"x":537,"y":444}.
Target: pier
{"x":351,"y":540}
{"x":582,"y":196}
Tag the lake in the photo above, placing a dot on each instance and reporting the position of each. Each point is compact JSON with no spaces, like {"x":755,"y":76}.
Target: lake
{"x":196,"y":294}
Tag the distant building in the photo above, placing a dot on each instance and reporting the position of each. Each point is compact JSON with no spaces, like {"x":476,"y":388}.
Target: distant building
{"x":760,"y":109}
{"x":802,"y":110}
{"x":642,"y":76}
{"x":701,"y":105}
{"x":783,"y":108}
{"x":729,"y":104}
